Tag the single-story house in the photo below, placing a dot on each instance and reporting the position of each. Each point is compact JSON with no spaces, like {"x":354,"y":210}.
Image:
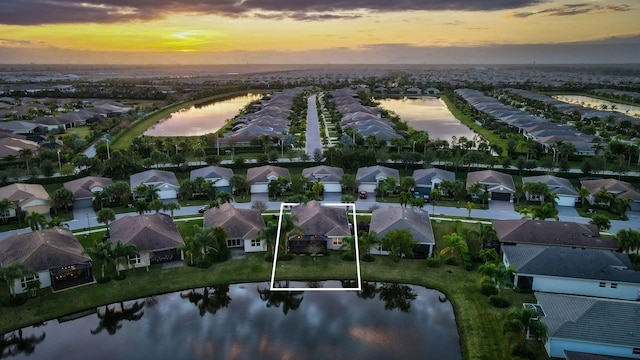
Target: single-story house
{"x":329,"y":177}
{"x":155,"y":236}
{"x":165,"y":181}
{"x":369,"y":177}
{"x":499,"y":185}
{"x":218,"y":176}
{"x":260,"y":177}
{"x":551,"y":233}
{"x":11,"y":145}
{"x":617,"y":188}
{"x":567,"y":193}
{"x":564,"y":270}
{"x":590,"y":325}
{"x":430,"y":179}
{"x":385,"y":219}
{"x":84,"y":188}
{"x":28,"y":197}
{"x":326,"y":225}
{"x":575,"y":355}
{"x":55,"y":255}
{"x":242,"y":226}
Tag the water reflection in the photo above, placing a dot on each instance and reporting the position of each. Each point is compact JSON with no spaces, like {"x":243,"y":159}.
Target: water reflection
{"x":200,"y":119}
{"x":248,"y":321}
{"x":429,"y":114}
{"x":600,"y":104}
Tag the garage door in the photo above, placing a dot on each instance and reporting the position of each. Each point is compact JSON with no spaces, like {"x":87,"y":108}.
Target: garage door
{"x":259,"y":188}
{"x":332,"y":188}
{"x":501,"y":196}
{"x":367,"y":187}
{"x":167,"y":194}
{"x":83,"y":203}
{"x":566,"y":201}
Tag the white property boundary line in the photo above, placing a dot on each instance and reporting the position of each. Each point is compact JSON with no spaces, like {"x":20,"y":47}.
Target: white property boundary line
{"x":275,"y":255}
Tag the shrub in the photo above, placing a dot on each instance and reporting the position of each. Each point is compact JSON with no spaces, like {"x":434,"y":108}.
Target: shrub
{"x":347,"y":257}
{"x":488,"y":287}
{"x":103,"y":280}
{"x":368,"y":258}
{"x":286,"y":257}
{"x":122,"y":276}
{"x":524,"y":350}
{"x":433,"y":262}
{"x":499,"y":301}
{"x":15,"y":300}
{"x":268,"y":257}
{"x":451,"y":260}
{"x":466,"y":260}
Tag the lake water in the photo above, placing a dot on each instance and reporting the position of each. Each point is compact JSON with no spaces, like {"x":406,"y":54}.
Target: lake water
{"x":200,"y":120}
{"x":430,"y":114}
{"x":597,"y":103}
{"x":246,"y":321}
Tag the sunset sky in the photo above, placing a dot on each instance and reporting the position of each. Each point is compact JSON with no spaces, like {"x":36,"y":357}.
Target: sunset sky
{"x":331,"y":31}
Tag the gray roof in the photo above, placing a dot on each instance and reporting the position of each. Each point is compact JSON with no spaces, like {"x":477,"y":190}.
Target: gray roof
{"x":315,"y":219}
{"x":558,"y":185}
{"x":323,"y":173}
{"x":153,"y":176}
{"x":491,"y":177}
{"x":621,"y":189}
{"x":239,"y":223}
{"x":425,"y":176}
{"x":385,"y":219}
{"x":572,"y":263}
{"x":372,"y":174}
{"x":558,"y":233}
{"x":42,"y":250}
{"x":212,"y":172}
{"x":591,"y":320}
{"x":81,"y":188}
{"x":263,"y":173}
{"x":147,"y":232}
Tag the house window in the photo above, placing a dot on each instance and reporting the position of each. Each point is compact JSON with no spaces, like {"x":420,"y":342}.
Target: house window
{"x":636,"y":351}
{"x":614,"y":285}
{"x":255,"y":243}
{"x":337,"y":241}
{"x":24,"y":282}
{"x":233,"y":242}
{"x":602,"y":284}
{"x":135,"y":260}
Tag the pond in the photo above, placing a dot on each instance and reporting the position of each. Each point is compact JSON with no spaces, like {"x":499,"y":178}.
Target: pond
{"x":202,"y":119}
{"x":247,"y":321}
{"x":598,"y":104}
{"x":430,"y":114}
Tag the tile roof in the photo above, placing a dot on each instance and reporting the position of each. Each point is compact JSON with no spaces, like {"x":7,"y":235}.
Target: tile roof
{"x":591,"y":320}
{"x":371,"y":174}
{"x":490,"y":177}
{"x":24,"y":192}
{"x":559,"y":233}
{"x":153,"y":176}
{"x":572,"y":263}
{"x":323,"y":173}
{"x":239,"y":223}
{"x":212,"y":172}
{"x":385,"y":219}
{"x":315,"y":219}
{"x":621,"y":189}
{"x":262,"y":173}
{"x":424,"y":176}
{"x":147,"y":232}
{"x":558,"y":185}
{"x":81,"y":188}
{"x":42,"y":250}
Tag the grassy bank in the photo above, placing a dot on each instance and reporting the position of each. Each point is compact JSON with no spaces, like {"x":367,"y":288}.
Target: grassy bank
{"x":479,"y":324}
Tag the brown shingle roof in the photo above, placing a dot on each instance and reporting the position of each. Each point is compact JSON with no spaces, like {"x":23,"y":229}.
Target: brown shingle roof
{"x":323,"y":173}
{"x":24,"y":193}
{"x":619,"y":188}
{"x":490,"y":177}
{"x":81,"y":188}
{"x":42,"y":250}
{"x":385,"y":219}
{"x":147,"y":232}
{"x":239,"y":223}
{"x":262,"y":173}
{"x":558,"y":233}
{"x":315,"y":219}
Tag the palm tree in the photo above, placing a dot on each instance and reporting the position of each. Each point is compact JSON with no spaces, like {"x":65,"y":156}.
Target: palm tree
{"x":141,"y":206}
{"x":63,"y":198}
{"x":14,"y":272}
{"x":26,"y":154}
{"x":407,"y":183}
{"x":171,"y":206}
{"x":238,"y":182}
{"x":35,"y":220}
{"x":100,"y":252}
{"x":225,"y":197}
{"x":121,"y":254}
{"x":498,"y":273}
{"x":622,"y":206}
{"x":288,"y":227}
{"x":5,"y":206}
{"x":454,"y":242}
{"x":525,"y":322}
{"x":269,"y":234}
{"x":55,"y":222}
{"x":584,"y":194}
{"x":106,"y":215}
{"x":156,"y":204}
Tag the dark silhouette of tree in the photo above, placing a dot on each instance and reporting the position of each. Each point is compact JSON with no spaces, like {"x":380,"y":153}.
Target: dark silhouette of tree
{"x":397,"y":296}
{"x":288,"y":300}
{"x":112,"y":318}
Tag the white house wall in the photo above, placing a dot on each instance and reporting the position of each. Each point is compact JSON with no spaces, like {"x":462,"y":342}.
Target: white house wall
{"x":556,"y":347}
{"x":623,"y":291}
{"x":43,"y":276}
{"x":260,"y":246}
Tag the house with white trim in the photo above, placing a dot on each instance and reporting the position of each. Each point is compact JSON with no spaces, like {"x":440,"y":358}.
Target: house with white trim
{"x":242,"y":226}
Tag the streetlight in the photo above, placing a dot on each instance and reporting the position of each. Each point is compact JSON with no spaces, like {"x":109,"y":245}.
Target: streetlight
{"x":108,"y":153}
{"x":414,"y":147}
{"x":282,"y":147}
{"x":59,"y":162}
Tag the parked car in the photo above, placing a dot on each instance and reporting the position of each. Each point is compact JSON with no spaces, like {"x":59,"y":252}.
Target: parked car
{"x":202,"y":209}
{"x":363,"y":195}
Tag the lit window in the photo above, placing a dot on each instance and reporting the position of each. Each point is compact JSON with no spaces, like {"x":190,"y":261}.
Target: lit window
{"x":337,"y":241}
{"x":24,"y":282}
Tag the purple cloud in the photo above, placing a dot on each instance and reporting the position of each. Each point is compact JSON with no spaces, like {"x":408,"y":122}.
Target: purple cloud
{"x":574,"y":9}
{"x":36,"y":12}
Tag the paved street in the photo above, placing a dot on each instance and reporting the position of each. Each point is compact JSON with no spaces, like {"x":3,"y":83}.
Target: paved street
{"x":314,"y":141}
